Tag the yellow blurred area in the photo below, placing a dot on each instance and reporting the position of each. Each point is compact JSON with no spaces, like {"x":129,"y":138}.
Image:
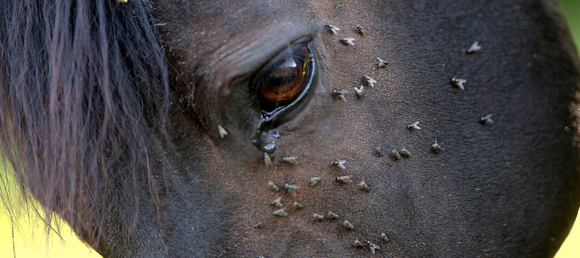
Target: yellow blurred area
{"x":24,"y":234}
{"x":571,"y":248}
{"x":30,"y":239}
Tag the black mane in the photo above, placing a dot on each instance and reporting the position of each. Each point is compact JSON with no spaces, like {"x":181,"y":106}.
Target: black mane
{"x":81,"y":83}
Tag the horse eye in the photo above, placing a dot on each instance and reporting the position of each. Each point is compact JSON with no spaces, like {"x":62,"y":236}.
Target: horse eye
{"x":285,"y":80}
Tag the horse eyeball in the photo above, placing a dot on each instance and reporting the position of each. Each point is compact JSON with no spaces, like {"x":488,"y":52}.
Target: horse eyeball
{"x":285,"y":82}
{"x":285,"y":78}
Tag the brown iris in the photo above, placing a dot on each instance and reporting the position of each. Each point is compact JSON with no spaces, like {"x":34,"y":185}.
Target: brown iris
{"x":283,"y":80}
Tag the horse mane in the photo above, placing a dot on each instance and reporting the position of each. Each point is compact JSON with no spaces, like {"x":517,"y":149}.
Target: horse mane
{"x":84,"y":96}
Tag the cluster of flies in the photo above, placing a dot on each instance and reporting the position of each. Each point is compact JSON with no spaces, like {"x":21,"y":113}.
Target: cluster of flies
{"x":370,"y":82}
{"x":292,"y":189}
{"x":346,"y":179}
{"x":455,"y":81}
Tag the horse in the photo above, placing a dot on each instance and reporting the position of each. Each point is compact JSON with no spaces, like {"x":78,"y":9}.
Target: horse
{"x":295,"y":128}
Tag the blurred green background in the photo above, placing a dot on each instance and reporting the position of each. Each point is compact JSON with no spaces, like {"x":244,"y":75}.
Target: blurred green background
{"x":30,"y":239}
{"x":571,"y":10}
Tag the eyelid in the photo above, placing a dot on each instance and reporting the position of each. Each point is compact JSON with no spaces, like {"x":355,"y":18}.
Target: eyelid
{"x":233,"y":61}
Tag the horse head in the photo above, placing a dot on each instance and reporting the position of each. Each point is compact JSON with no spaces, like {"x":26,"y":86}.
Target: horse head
{"x":295,"y":128}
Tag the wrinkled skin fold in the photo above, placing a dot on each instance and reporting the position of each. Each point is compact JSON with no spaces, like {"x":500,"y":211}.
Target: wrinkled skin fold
{"x":115,"y":126}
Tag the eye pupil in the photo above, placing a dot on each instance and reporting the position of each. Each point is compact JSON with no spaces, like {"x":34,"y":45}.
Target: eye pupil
{"x":283,"y":80}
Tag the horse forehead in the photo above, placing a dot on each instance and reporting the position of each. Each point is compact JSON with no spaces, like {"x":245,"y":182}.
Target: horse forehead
{"x":208,"y":25}
{"x":228,"y":18}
